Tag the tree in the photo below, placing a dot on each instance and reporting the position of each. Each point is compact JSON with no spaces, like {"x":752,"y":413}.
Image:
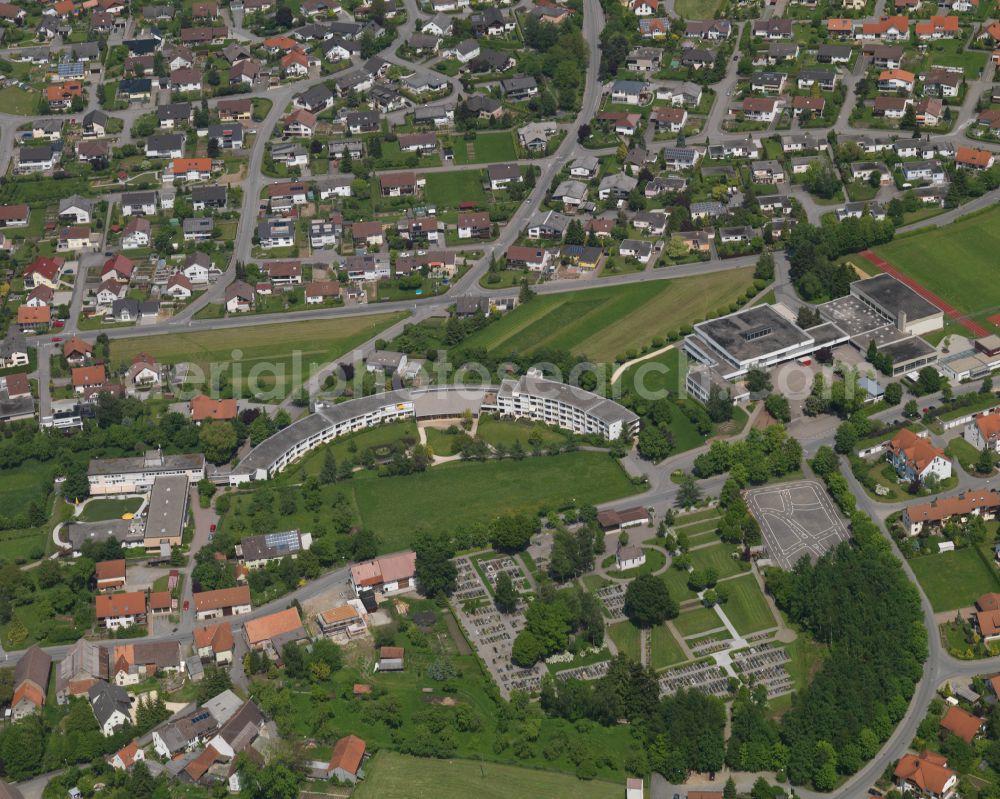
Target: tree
{"x":688,"y":492}
{"x":654,"y":443}
{"x":283,"y":16}
{"x":512,"y":533}
{"x":929,"y":380}
{"x":987,"y":385}
{"x":846,"y":438}
{"x":527,"y":293}
{"x":984,"y":465}
{"x":826,"y":462}
{"x":758,"y":381}
{"x":777,"y":405}
{"x":218,"y":440}
{"x":76,"y":486}
{"x":648,"y":602}
{"x":909,"y":121}
{"x":720,"y":405}
{"x":910,"y":410}
{"x":506,"y":596}
{"x":435,"y":572}
{"x":328,"y":472}
{"x":893,"y":393}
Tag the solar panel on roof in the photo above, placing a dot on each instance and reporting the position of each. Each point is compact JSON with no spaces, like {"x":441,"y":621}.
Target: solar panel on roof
{"x":283,"y":542}
{"x":200,"y":717}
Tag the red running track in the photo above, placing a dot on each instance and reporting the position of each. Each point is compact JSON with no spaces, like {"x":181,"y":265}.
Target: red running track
{"x":974,"y":328}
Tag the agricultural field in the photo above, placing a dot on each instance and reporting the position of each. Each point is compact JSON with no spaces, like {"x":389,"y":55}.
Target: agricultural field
{"x":957,"y":262}
{"x":390,"y":774}
{"x":591,"y":322}
{"x":747,"y":608}
{"x":956,"y":579}
{"x":270,"y":354}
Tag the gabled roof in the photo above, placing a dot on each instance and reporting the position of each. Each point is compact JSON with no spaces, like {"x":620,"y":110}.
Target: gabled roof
{"x":962,"y":723}
{"x":273,"y":625}
{"x":348,"y":753}
{"x":222,"y":598}
{"x":927,"y":771}
{"x":132,"y":603}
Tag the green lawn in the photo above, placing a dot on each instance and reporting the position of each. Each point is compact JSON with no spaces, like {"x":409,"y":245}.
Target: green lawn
{"x":966,"y":454}
{"x":653,"y":378}
{"x":17,"y":101}
{"x":665,"y":650}
{"x":486,"y":149}
{"x":505,"y":432}
{"x":957,"y":262}
{"x":655,"y":561}
{"x":276,"y":356}
{"x":717,"y":556}
{"x":606,"y":322}
{"x":626,"y":638}
{"x":696,"y":516}
{"x":440,"y":441}
{"x":954,"y":580}
{"x":24,"y":484}
{"x":452,"y":495}
{"x":448,"y":189}
{"x":697,"y":9}
{"x":697,"y":528}
{"x":390,"y":775}
{"x":676,"y":582}
{"x":98,"y":510}
{"x":351,"y":446}
{"x":747,"y":608}
{"x":697,"y":621}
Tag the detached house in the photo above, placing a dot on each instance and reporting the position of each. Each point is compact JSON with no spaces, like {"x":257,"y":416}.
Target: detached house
{"x":117,"y":611}
{"x":916,"y":458}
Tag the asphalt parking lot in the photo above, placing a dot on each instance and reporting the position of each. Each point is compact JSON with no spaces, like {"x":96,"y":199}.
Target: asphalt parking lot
{"x":796,"y":519}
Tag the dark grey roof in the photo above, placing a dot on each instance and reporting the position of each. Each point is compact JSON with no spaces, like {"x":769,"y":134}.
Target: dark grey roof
{"x":173,"y":111}
{"x":106,"y":698}
{"x":893,"y":296}
{"x":265,"y":454}
{"x":752,"y":333}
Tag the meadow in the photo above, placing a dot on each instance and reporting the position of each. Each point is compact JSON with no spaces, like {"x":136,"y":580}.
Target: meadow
{"x":269,"y":354}
{"x":603,"y":323}
{"x":956,"y":579}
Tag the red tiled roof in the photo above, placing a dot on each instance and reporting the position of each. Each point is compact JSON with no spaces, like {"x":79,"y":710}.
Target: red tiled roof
{"x":961,"y":723}
{"x":348,"y":753}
